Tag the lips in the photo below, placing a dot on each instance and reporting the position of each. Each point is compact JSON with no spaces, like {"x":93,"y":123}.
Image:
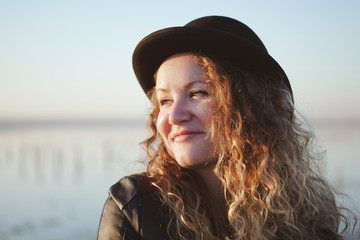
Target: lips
{"x":183,"y":135}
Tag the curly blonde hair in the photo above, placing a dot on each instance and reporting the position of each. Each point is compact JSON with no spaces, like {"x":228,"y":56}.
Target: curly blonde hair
{"x":264,"y":161}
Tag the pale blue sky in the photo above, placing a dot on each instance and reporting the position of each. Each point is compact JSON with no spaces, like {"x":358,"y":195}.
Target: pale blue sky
{"x":72,"y":59}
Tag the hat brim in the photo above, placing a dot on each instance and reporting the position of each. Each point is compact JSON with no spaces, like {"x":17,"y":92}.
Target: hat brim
{"x":158,"y":46}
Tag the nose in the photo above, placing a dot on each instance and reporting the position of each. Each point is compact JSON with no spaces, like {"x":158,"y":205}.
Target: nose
{"x":179,"y":112}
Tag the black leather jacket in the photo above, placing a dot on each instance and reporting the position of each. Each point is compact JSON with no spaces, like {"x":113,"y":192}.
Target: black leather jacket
{"x":132,"y":211}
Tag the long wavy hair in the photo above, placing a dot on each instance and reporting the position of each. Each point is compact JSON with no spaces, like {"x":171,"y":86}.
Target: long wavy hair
{"x":265,"y":161}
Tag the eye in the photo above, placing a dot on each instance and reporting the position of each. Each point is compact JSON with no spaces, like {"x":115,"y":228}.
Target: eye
{"x":164,"y":101}
{"x":198,"y":93}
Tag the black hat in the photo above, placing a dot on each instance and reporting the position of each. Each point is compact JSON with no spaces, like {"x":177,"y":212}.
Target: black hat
{"x":215,"y":35}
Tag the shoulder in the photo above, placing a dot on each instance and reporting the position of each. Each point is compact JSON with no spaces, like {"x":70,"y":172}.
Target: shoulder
{"x":138,"y":200}
{"x":128,"y":188}
{"x":119,"y":218}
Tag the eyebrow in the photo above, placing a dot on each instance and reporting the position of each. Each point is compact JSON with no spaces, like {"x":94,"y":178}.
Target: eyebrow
{"x":186,"y":86}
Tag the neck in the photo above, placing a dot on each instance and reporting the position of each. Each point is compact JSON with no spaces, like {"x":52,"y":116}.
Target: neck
{"x":217,"y":202}
{"x":214,"y":185}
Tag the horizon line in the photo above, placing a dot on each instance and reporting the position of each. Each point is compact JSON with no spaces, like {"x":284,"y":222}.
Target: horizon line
{"x":12,"y":124}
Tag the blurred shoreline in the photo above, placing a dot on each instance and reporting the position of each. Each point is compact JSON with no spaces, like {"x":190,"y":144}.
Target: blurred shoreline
{"x":65,"y":166}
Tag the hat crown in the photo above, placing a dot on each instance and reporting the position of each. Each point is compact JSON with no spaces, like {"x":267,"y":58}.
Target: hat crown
{"x":219,"y":36}
{"x":228,"y":26}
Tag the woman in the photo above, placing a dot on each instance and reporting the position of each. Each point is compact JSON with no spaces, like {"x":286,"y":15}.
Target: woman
{"x":228,"y":158}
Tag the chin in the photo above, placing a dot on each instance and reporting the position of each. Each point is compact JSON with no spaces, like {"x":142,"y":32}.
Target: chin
{"x":194,"y":164}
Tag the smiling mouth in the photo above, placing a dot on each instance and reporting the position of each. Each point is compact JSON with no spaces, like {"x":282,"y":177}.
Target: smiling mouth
{"x":184,"y":135}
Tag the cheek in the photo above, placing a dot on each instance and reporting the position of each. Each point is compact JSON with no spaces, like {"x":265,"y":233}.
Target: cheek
{"x":164,"y":128}
{"x":205,"y":114}
{"x":162,"y":124}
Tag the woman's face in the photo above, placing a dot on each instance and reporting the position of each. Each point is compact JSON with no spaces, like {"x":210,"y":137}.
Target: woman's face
{"x":185,"y":107}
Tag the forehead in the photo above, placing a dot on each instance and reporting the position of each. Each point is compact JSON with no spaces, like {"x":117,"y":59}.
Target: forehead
{"x":178,"y":70}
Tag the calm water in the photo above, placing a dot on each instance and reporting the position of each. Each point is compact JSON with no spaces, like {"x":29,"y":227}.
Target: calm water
{"x":54,"y":180}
